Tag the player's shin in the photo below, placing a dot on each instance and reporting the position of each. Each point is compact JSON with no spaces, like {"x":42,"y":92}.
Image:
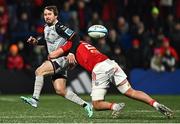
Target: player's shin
{"x":74,"y":98}
{"x":39,"y":81}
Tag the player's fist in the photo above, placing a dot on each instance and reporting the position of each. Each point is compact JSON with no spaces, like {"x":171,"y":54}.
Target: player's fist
{"x":32,"y":40}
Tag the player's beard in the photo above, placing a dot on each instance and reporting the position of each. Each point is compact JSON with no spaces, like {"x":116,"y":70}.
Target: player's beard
{"x":50,"y":23}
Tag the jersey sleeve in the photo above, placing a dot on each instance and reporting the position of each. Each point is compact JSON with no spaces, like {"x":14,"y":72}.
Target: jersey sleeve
{"x":68,"y":34}
{"x":67,"y":46}
{"x":64,"y":31}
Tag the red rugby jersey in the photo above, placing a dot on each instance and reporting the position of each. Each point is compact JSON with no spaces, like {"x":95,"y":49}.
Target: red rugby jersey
{"x":86,"y":55}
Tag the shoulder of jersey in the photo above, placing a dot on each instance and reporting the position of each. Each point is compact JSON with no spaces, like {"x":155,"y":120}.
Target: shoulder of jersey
{"x":61,"y":26}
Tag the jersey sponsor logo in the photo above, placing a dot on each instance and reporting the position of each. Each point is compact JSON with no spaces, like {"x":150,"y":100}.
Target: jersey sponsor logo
{"x":69,"y":32}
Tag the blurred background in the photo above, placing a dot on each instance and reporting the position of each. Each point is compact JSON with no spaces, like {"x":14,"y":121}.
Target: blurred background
{"x":143,"y":38}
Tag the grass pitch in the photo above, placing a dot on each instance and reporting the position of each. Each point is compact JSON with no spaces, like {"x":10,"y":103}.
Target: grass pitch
{"x":55,"y":109}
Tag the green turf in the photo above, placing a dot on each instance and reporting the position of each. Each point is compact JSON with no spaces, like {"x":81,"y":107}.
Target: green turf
{"x":55,"y":109}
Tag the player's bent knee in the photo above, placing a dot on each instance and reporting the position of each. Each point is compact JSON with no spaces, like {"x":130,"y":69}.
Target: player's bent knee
{"x":124,"y":86}
{"x":39,"y":72}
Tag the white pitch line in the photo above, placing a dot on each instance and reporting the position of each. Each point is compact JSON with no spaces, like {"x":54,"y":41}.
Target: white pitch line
{"x":7,"y":99}
{"x":43,"y":116}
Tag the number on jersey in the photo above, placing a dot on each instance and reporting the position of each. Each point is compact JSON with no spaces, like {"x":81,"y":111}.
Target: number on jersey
{"x":91,"y":48}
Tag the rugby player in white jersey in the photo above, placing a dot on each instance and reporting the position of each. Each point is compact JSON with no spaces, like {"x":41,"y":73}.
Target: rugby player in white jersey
{"x":55,"y":36}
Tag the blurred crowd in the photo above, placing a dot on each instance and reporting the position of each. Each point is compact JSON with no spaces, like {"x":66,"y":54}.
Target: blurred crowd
{"x":141,"y":33}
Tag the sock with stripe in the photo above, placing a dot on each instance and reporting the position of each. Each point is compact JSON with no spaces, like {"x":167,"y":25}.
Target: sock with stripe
{"x":75,"y":98}
{"x":39,"y":81}
{"x":154,"y":104}
{"x":114,"y":106}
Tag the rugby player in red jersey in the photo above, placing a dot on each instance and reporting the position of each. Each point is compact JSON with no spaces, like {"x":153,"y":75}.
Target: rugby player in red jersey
{"x":103,"y":72}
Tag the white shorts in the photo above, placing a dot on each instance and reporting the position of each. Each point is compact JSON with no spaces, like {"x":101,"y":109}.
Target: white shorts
{"x":104,"y":73}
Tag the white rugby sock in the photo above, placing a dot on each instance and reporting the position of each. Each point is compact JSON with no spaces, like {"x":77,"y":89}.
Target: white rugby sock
{"x":115,"y":106}
{"x":74,"y":98}
{"x":155,"y":105}
{"x":39,"y":81}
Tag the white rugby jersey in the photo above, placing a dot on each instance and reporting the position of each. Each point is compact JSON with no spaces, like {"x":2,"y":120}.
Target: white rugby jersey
{"x":56,"y":36}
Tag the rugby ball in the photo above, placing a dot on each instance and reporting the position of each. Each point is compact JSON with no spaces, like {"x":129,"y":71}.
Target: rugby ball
{"x":97,"y":31}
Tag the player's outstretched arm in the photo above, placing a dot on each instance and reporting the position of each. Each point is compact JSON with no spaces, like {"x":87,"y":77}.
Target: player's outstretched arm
{"x":36,"y":41}
{"x":60,"y":51}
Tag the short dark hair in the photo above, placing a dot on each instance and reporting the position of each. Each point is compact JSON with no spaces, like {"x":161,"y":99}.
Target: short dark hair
{"x":52,"y":8}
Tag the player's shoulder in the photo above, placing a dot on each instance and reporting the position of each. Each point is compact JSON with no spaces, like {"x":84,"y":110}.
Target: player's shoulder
{"x":60,"y":26}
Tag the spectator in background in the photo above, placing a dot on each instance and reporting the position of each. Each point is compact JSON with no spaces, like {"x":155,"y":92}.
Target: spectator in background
{"x":23,"y":24}
{"x":123,"y":33}
{"x":14,"y":59}
{"x":166,"y":7}
{"x":73,"y":21}
{"x":135,"y":55}
{"x":154,"y":21}
{"x":65,"y":13}
{"x":177,"y":3}
{"x":148,"y":52}
{"x":87,"y":39}
{"x":112,"y":39}
{"x":166,"y":48}
{"x":95,"y":20}
{"x":137,"y":27}
{"x":103,"y":47}
{"x":176,"y":38}
{"x":119,"y":57}
{"x":156,"y":61}
{"x":23,"y":53}
{"x":169,"y":61}
{"x":170,"y":56}
{"x":123,"y":26}
{"x":82,"y":15}
{"x":109,"y":12}
{"x":168,"y":25}
{"x":39,"y":25}
{"x":4,"y":20}
{"x":2,"y":56}
{"x":38,"y":6}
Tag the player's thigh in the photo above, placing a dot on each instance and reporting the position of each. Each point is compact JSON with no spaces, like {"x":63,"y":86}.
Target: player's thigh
{"x":45,"y":69}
